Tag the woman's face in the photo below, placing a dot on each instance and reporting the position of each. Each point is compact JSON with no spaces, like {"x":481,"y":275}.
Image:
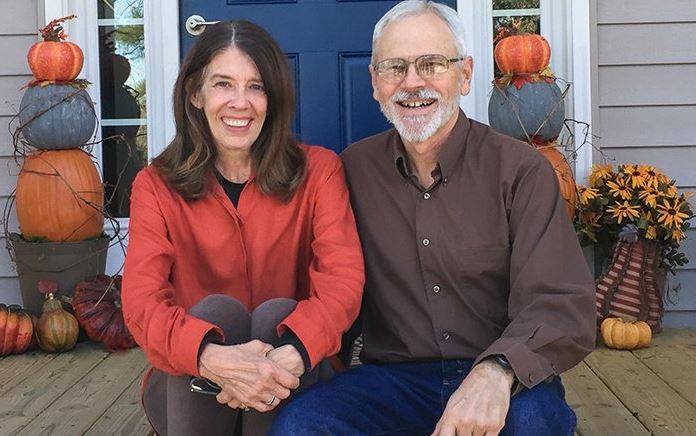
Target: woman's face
{"x":233,"y":99}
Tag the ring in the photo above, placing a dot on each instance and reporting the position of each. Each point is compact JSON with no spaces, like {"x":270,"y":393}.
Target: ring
{"x":270,"y":402}
{"x":243,"y":407}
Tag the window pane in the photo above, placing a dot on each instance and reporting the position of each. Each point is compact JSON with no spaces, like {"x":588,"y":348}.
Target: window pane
{"x":123,"y":111}
{"x":515,"y":4}
{"x":120,"y":9}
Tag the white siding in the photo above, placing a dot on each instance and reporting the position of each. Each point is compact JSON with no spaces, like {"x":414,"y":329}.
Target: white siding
{"x":18,"y":31}
{"x":645,"y":65}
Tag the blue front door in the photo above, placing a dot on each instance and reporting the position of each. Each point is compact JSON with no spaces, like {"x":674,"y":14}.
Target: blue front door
{"x":328,"y":44}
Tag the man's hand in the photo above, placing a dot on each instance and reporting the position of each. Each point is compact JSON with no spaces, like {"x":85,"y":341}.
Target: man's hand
{"x":289,"y":358}
{"x":247,"y":378}
{"x":479,"y":406}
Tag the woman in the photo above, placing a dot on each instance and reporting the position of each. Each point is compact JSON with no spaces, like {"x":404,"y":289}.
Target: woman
{"x":243,"y":266}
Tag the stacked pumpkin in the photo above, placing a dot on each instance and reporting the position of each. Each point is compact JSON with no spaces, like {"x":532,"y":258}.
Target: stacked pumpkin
{"x":59,"y":196}
{"x":528,"y":105}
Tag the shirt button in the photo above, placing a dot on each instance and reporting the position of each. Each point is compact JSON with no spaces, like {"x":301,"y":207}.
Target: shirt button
{"x":426,"y":196}
{"x":426,"y":242}
{"x":436,"y":289}
{"x":445,"y":335}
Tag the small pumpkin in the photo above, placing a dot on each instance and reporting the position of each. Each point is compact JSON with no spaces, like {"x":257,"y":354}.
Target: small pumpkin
{"x":54,"y":58}
{"x":97,"y":304}
{"x":57,"y":329}
{"x":16,"y":330}
{"x":625,"y":335}
{"x":527,"y":53}
{"x":564,"y":174}
{"x":60,"y":196}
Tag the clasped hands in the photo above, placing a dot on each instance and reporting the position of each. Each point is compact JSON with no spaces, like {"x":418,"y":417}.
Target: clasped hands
{"x":252,"y":375}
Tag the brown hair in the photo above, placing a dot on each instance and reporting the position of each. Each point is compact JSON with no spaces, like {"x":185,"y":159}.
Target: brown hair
{"x":188,"y":160}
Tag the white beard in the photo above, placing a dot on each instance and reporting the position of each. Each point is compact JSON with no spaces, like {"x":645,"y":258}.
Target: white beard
{"x":419,"y":128}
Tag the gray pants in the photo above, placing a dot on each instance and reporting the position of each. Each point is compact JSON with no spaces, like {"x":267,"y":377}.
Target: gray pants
{"x":173,"y":410}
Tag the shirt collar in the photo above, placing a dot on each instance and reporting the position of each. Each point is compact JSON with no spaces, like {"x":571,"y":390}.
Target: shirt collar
{"x":450,"y":153}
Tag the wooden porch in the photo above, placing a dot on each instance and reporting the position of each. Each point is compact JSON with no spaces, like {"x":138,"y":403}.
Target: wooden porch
{"x":93,"y":392}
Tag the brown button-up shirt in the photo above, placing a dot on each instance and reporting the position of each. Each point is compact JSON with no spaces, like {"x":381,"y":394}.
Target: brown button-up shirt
{"x":485,"y":261}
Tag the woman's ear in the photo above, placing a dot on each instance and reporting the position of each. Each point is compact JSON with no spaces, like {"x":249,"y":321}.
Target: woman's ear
{"x":196,"y":101}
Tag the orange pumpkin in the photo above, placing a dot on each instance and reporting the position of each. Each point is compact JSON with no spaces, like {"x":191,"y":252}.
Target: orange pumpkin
{"x":625,"y":335}
{"x":528,"y":53}
{"x":16,"y":330}
{"x":564,"y":174}
{"x":60,"y":196}
{"x":60,"y":61}
{"x":54,"y":58}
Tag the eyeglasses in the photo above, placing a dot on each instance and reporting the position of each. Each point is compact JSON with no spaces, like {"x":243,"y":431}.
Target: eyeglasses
{"x":427,"y":66}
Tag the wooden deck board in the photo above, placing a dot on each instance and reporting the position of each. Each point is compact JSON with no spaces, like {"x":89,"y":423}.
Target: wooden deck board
{"x":654,"y":403}
{"x":87,"y":400}
{"x":90,"y":391}
{"x":125,"y":417}
{"x":598,"y":410}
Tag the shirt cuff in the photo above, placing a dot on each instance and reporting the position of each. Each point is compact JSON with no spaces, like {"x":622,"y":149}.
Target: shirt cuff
{"x":290,"y":338}
{"x":529,"y":367}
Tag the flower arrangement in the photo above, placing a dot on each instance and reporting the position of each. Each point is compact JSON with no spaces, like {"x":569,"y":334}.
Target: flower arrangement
{"x":634,"y":201}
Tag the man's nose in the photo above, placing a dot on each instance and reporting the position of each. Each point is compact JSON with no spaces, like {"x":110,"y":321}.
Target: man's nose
{"x":412,"y":78}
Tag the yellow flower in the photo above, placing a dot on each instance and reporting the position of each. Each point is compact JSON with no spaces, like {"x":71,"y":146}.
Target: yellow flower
{"x":586,"y":194}
{"x":651,"y":232}
{"x":635,"y":175}
{"x":620,"y":188}
{"x":669,"y":215}
{"x":599,"y":173}
{"x":652,"y":176}
{"x":676,"y":235}
{"x":649,"y":196}
{"x":672,"y":191}
{"x":625,"y":210}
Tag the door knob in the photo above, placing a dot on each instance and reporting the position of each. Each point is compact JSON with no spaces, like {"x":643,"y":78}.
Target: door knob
{"x":195,"y":24}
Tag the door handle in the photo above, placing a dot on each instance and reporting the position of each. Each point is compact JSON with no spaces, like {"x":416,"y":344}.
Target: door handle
{"x":195,"y":24}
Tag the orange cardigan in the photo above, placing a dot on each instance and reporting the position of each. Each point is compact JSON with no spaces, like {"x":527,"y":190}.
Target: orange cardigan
{"x":179,"y":252}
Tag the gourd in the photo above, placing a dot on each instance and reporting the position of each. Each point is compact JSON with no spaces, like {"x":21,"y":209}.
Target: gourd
{"x":60,"y":196}
{"x":57,"y":329}
{"x":54,"y":58}
{"x":625,"y":335}
{"x":16,"y":330}
{"x":528,"y":53}
{"x":97,"y":305}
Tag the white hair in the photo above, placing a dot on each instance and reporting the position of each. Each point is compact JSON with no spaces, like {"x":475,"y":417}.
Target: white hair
{"x":409,"y":8}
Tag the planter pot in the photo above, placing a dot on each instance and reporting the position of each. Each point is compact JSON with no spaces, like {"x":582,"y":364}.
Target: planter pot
{"x":65,"y":262}
{"x":539,"y":106}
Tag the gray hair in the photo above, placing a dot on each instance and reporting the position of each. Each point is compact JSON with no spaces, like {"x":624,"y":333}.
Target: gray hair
{"x":409,"y":8}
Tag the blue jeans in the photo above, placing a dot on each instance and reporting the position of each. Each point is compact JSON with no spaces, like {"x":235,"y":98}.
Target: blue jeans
{"x":408,"y":399}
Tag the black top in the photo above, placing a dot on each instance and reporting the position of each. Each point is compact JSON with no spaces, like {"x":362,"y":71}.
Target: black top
{"x":233,"y":190}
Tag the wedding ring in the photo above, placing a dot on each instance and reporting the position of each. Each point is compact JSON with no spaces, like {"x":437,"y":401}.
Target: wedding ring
{"x":270,"y":402}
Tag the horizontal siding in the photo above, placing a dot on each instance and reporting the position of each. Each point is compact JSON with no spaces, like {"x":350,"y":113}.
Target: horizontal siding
{"x":19,"y":17}
{"x":630,"y":44}
{"x":678,"y":163}
{"x":646,"y":11}
{"x":11,"y":94}
{"x":680,"y":319}
{"x":8,"y":175}
{"x":684,"y":296}
{"x":12,"y":224}
{"x":7,"y":268}
{"x":6,"y":148}
{"x":688,"y":247}
{"x":647,"y":85}
{"x":15,"y":47}
{"x":648,"y":125}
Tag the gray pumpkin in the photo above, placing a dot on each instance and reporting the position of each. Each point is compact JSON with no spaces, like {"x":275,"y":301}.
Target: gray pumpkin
{"x":56,"y":117}
{"x":533,"y":102}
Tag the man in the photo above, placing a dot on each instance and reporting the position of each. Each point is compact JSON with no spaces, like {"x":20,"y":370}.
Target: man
{"x":477,"y":295}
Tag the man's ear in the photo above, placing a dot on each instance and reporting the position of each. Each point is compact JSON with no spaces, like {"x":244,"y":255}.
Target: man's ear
{"x":373,"y":77}
{"x":466,"y":71}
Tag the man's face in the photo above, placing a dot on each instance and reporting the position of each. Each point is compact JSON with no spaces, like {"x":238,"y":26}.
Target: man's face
{"x":419,"y":107}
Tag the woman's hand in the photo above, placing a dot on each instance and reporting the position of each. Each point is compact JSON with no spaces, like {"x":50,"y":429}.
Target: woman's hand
{"x":289,"y":358}
{"x":246,"y":376}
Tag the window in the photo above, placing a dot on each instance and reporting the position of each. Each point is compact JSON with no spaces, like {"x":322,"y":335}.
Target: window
{"x":123,"y":98}
{"x":508,"y":13}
